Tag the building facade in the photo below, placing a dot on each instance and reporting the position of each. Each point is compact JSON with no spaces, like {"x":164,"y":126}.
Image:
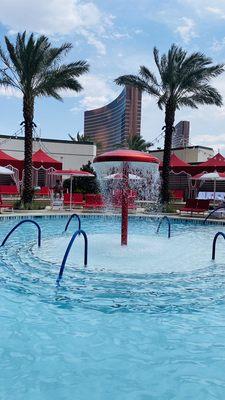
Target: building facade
{"x":189,"y":154}
{"x":181,"y":134}
{"x":114,"y":123}
{"x":72,"y":155}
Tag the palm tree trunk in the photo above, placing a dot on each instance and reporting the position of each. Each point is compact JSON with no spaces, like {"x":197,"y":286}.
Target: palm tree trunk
{"x":28,"y":115}
{"x":169,"y":121}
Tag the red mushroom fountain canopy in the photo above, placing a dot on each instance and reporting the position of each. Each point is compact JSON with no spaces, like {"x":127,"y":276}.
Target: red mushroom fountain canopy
{"x":126,"y":156}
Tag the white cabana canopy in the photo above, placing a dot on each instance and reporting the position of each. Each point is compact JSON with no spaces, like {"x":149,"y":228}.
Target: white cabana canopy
{"x":6,"y":171}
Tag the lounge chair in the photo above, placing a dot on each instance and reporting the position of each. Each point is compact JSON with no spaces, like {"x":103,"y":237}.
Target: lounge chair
{"x":5,"y":205}
{"x":177,"y":194}
{"x":77,"y":199}
{"x":43,"y":192}
{"x":9,"y":190}
{"x":94,"y":201}
{"x":196,"y":206}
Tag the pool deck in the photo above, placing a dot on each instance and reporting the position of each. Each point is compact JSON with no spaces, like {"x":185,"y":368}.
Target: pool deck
{"x":62,"y":213}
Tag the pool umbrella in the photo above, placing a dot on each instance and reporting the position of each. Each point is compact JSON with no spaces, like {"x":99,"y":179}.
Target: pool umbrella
{"x":120,"y":176}
{"x":6,"y":171}
{"x":211,"y":176}
{"x":71,"y":173}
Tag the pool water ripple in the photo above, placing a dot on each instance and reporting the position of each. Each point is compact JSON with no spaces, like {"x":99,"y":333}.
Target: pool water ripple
{"x":102,"y":287}
{"x":148,"y":330}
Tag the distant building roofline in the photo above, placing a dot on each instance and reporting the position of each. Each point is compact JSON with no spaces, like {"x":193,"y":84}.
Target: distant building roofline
{"x":183,"y":148}
{"x":46,"y":140}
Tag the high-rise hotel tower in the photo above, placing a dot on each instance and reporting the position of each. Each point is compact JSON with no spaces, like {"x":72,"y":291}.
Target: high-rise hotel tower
{"x":181,"y":134}
{"x":113,"y":124}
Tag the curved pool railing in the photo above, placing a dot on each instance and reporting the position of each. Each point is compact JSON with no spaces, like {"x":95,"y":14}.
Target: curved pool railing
{"x":165,"y":218}
{"x":212,"y":212}
{"x":214,"y":243}
{"x":79,"y":232}
{"x":20,"y":223}
{"x":70,"y":219}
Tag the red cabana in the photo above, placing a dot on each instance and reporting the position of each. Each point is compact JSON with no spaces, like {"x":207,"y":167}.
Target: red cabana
{"x":216,"y":163}
{"x":177,"y":165}
{"x":6,"y":159}
{"x":42,"y":159}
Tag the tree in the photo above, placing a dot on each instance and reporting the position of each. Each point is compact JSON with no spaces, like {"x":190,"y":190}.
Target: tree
{"x":138,"y":143}
{"x":183,"y":81}
{"x":79,"y":138}
{"x":33,"y":66}
{"x":83,"y":184}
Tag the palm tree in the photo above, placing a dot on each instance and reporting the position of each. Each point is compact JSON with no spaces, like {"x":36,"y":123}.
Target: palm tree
{"x":137,"y":142}
{"x":33,"y":66}
{"x":79,"y":138}
{"x":183,"y":81}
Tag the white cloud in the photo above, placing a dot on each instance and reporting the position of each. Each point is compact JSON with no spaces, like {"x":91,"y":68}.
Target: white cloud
{"x":57,"y":17}
{"x":186,"y":29}
{"x":97,"y":93}
{"x":50,"y":17}
{"x":206,"y":8}
{"x":93,"y":40}
{"x":218,"y":45}
{"x":217,"y":142}
{"x":219,"y":12}
{"x":10,"y":92}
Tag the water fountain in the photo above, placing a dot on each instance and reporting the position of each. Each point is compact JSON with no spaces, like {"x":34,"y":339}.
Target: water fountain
{"x":127,"y":165}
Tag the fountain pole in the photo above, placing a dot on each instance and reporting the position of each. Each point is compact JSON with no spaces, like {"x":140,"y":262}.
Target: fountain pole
{"x":126,"y":158}
{"x":124,"y":208}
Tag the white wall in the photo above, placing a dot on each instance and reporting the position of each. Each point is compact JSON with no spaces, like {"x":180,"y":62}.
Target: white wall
{"x":72,"y":155}
{"x":190,"y":155}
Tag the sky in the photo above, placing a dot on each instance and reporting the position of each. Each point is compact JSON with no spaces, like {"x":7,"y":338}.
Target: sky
{"x":116,"y":37}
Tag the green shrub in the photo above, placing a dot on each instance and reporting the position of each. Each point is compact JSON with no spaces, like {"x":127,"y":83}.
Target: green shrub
{"x":35,"y":205}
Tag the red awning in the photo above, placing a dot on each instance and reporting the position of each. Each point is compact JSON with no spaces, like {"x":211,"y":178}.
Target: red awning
{"x":6,"y":159}
{"x":176,"y":162}
{"x":72,"y":172}
{"x":178,"y":165}
{"x":210,"y":176}
{"x":40,"y":158}
{"x":217,"y":161}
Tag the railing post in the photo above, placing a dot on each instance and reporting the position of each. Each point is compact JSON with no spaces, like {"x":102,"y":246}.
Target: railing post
{"x":79,"y":232}
{"x":212,"y":212}
{"x":20,"y":223}
{"x":214,"y":243}
{"x":169,"y":225}
{"x":70,"y":219}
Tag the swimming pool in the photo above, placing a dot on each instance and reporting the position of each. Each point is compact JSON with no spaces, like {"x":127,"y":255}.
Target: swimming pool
{"x":143,"y":322}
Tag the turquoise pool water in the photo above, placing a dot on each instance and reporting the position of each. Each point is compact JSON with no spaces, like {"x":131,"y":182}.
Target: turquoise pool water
{"x":146,"y":322}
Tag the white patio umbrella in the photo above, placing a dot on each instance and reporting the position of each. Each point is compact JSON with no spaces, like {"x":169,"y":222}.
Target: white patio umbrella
{"x":120,"y":176}
{"x":211,"y":176}
{"x":71,"y":173}
{"x":6,"y":171}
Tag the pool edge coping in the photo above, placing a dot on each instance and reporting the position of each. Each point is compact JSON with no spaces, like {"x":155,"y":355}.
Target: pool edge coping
{"x":173,"y":217}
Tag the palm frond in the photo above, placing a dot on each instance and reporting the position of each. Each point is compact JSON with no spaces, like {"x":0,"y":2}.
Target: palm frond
{"x":186,"y":102}
{"x":141,"y":84}
{"x":147,"y":75}
{"x":13,"y":56}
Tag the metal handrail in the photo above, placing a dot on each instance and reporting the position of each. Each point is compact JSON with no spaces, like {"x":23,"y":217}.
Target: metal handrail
{"x":78,"y":232}
{"x":214,"y":243}
{"x":20,"y":223}
{"x":215,"y":209}
{"x":70,"y":219}
{"x":169,"y":225}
